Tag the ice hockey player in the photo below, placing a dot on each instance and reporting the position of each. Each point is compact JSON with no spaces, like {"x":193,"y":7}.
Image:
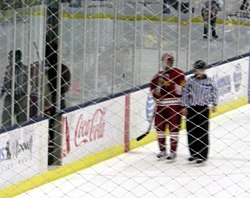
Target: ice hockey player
{"x":166,"y":87}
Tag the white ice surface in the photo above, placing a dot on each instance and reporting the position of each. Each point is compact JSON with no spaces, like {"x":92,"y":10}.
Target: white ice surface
{"x":140,"y":174}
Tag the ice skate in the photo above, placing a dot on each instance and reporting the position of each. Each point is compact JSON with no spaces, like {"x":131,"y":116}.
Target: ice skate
{"x":200,"y":162}
{"x":162,"y":154}
{"x":171,"y":157}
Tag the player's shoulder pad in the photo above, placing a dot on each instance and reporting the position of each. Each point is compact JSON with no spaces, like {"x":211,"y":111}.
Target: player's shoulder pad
{"x":177,"y":70}
{"x":158,"y":74}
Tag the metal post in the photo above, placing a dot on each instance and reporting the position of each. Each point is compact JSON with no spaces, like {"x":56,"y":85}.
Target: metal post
{"x":97,"y":44}
{"x":13,"y":70}
{"x":189,"y":35}
{"x":223,"y":31}
{"x":135,"y":44}
{"x":84,"y":50}
{"x":114,"y":47}
{"x":42,"y":80}
{"x":161,"y":36}
{"x":209,"y":28}
{"x":52,"y":36}
{"x":178,"y":34}
{"x":53,"y":59}
{"x":59,"y":59}
{"x":238,"y":30}
{"x":29,"y":71}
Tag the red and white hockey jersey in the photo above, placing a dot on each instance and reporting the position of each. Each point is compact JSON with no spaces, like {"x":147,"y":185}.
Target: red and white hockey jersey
{"x":166,"y":86}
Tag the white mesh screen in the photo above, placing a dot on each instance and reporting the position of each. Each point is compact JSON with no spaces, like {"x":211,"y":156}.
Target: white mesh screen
{"x":86,"y":66}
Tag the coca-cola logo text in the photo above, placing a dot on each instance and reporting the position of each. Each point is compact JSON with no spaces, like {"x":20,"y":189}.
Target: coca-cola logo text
{"x":91,"y":129}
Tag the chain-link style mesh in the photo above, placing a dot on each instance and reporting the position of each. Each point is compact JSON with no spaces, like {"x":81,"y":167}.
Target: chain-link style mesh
{"x":76,"y":51}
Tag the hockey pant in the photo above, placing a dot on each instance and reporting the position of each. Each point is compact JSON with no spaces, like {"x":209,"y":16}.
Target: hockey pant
{"x":168,"y":116}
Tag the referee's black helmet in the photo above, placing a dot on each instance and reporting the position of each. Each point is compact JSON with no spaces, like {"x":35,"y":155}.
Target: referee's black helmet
{"x":200,"y":64}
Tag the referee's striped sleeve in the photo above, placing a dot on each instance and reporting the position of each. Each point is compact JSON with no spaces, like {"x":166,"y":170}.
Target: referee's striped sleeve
{"x":199,"y":92}
{"x":184,"y":97}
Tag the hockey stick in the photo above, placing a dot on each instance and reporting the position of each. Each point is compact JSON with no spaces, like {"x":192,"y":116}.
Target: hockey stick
{"x":147,"y":132}
{"x":152,"y":118}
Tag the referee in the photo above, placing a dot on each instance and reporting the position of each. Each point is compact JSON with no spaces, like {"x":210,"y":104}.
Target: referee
{"x":199,"y":93}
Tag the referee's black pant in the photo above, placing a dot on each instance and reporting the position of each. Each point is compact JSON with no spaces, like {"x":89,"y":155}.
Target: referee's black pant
{"x":197,"y":131}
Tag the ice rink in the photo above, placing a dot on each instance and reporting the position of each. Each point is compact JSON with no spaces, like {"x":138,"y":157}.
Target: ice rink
{"x":139,"y":173}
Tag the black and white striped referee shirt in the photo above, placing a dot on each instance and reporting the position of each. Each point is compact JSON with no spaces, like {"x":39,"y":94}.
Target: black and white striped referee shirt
{"x":200,"y":91}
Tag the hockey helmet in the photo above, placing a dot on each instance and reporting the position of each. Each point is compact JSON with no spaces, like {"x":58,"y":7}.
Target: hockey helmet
{"x":200,"y":64}
{"x":167,"y":57}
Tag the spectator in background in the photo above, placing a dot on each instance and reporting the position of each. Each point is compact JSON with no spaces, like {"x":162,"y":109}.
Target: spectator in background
{"x":209,"y":14}
{"x":16,"y":74}
{"x":199,"y":93}
{"x":175,"y":4}
{"x":74,"y":3}
{"x":39,"y":89}
{"x":244,"y":5}
{"x":52,"y":69}
{"x":166,"y":89}
{"x":65,"y":85}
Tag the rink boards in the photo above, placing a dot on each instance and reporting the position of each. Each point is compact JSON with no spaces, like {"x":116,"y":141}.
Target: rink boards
{"x":99,"y":131}
{"x":23,"y":155}
{"x":120,"y":120}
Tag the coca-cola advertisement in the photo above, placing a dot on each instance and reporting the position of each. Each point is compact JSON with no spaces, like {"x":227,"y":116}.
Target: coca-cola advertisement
{"x":92,"y":129}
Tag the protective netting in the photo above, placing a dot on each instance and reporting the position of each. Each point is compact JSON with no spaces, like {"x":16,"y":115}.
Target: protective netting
{"x":75,"y":54}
